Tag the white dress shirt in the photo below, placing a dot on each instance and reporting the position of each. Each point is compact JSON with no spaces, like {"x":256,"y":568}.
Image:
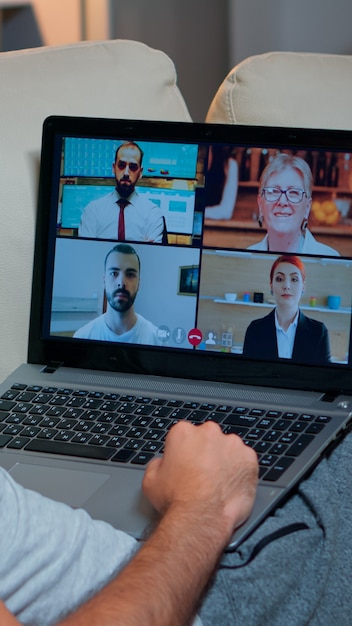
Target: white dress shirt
{"x":143,"y":219}
{"x":285,"y":338}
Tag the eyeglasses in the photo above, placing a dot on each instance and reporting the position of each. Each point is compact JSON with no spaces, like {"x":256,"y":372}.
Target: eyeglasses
{"x":273,"y":194}
{"x":131,"y":166}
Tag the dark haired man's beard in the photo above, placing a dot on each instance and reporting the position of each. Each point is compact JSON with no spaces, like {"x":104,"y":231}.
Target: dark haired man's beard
{"x":125,"y":187}
{"x":120,"y":305}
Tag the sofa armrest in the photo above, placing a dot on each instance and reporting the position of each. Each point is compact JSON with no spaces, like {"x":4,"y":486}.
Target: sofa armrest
{"x":287,"y":89}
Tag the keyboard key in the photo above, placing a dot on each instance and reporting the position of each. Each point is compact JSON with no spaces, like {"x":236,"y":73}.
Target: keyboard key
{"x":81,"y":438}
{"x":26,"y":396}
{"x":179,"y":414}
{"x":278,"y":469}
{"x":266,"y":423}
{"x":70,"y":449}
{"x":134,"y":444}
{"x":10,"y":394}
{"x":144,"y":409}
{"x":323,"y":419}
{"x":48,"y":422}
{"x":13,"y":418}
{"x":315,"y":428}
{"x":255,"y":434}
{"x":191,"y":405}
{"x":73,"y":413}
{"x":143,"y":400}
{"x":298,"y":427}
{"x":18,"y":443}
{"x":123,"y":456}
{"x":154,"y":434}
{"x":261,"y":447}
{"x":306,"y":417}
{"x":4,"y":440}
{"x":162,"y":411}
{"x":47,"y":433}
{"x":214,"y":416}
{"x":6,"y":405}
{"x":175,"y":403}
{"x":274,"y":414}
{"x":235,"y":430}
{"x":158,"y":401}
{"x":288,"y":438}
{"x":127,"y":398}
{"x":99,"y":428}
{"x":142,"y":458}
{"x":272,"y":435}
{"x":118,"y":430}
{"x":136,"y":433}
{"x":282,"y":424}
{"x":240,"y":420}
{"x":267,"y":460}
{"x":99,"y":440}
{"x":279,"y":448}
{"x":117,"y":442}
{"x":153,"y":446}
{"x":298,"y":446}
{"x":92,"y":403}
{"x":128,"y":407}
{"x":30,"y":431}
{"x":197,"y":416}
{"x":289,"y":415}
{"x":257,"y":412}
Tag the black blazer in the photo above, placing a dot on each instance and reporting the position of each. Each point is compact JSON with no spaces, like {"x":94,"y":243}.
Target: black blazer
{"x":311,"y":343}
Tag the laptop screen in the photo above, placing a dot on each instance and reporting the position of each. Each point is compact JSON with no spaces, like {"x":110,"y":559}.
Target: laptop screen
{"x":229,"y":257}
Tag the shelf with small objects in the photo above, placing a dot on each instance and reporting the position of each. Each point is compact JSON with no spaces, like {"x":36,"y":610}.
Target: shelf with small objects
{"x":270,"y":304}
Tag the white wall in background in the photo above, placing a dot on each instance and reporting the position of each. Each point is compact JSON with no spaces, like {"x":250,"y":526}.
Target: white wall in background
{"x":257,"y":26}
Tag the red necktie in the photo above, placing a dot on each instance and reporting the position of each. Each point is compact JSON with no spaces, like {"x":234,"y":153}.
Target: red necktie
{"x":122,"y":202}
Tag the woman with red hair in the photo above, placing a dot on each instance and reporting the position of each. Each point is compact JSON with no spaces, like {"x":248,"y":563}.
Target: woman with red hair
{"x":287,"y":333}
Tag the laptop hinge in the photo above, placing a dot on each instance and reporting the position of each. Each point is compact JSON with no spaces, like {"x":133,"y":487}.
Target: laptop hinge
{"x":330,"y":396}
{"x":52,"y":367}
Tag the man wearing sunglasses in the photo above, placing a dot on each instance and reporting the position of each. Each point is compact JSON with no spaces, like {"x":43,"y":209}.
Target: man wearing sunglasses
{"x":124,"y":214}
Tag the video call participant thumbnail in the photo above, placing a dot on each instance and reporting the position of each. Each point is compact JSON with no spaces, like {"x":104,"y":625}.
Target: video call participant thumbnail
{"x":120,"y":322}
{"x":286,"y":332}
{"x":124,"y":214}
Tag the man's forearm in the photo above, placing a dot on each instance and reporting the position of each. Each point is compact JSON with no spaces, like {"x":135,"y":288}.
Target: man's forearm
{"x":165,"y":581}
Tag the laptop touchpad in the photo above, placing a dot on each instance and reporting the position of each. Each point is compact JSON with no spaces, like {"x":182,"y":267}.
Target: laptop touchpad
{"x":65,"y":485}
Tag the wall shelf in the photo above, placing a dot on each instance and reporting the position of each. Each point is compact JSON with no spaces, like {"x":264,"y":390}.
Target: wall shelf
{"x":270,"y":305}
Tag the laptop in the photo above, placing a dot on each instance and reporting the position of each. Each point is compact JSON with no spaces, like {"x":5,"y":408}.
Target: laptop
{"x":82,"y":418}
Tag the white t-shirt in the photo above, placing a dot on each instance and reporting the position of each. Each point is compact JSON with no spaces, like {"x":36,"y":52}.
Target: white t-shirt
{"x":143,"y":332}
{"x":54,"y":558}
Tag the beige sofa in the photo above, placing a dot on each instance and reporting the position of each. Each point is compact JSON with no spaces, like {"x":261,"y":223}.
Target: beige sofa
{"x":287,"y":89}
{"x":129,"y":79}
{"x":110,"y":79}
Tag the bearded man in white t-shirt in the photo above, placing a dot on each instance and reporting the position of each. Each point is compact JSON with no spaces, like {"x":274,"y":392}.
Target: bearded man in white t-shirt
{"x":120,"y":322}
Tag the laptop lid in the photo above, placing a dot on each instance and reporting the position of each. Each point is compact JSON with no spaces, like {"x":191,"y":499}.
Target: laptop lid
{"x":207,"y":282}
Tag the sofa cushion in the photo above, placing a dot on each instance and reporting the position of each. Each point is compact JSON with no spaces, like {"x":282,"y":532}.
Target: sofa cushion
{"x":101,"y":79}
{"x":287,"y":89}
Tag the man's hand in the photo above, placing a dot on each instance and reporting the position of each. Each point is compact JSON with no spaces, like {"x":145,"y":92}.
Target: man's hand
{"x":204,"y":471}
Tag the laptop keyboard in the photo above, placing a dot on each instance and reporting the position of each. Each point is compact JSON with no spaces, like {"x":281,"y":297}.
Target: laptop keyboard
{"x":132,"y":429}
